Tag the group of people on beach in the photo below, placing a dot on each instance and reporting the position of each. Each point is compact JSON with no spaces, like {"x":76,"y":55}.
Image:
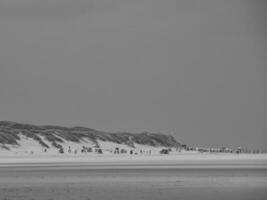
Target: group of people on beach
{"x":99,"y":150}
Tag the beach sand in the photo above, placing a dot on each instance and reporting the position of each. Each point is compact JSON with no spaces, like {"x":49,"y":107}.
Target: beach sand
{"x":103,"y":177}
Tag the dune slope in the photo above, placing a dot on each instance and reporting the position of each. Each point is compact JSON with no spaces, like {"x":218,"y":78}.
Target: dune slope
{"x":16,"y":135}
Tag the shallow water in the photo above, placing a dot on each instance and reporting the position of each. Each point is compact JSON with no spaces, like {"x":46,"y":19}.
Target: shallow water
{"x":131,"y":182}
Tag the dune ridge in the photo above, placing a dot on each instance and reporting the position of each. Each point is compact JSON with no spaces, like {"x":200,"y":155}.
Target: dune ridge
{"x":24,"y":137}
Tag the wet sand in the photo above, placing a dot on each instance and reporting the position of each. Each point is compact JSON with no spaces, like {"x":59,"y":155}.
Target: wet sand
{"x":143,"y":180}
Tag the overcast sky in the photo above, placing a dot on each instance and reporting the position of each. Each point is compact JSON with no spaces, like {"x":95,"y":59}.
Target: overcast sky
{"x":192,"y":67}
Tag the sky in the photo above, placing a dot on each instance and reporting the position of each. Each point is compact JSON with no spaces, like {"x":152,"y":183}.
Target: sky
{"x":191,"y":68}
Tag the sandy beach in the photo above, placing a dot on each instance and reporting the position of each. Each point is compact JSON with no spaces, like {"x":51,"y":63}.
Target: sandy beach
{"x":179,"y":158}
{"x":152,"y":177}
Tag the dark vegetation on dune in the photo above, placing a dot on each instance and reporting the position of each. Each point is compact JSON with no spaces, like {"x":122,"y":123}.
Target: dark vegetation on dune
{"x":9,"y":134}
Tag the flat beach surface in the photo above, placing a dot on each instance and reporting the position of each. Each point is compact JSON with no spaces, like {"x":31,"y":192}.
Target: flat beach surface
{"x":160,"y":177}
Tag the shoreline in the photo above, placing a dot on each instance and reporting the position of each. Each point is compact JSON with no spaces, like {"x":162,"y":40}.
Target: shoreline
{"x":127,"y":160}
